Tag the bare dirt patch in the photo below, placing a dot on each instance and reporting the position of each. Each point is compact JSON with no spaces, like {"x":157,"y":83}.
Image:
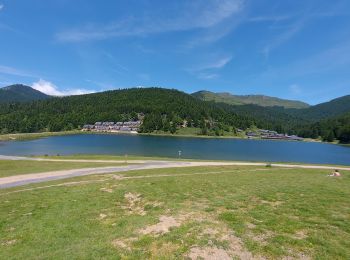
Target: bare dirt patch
{"x":117,"y":177}
{"x":234,"y":247}
{"x":163,"y":226}
{"x":208,"y":253}
{"x":102,"y":216}
{"x":250,"y":225}
{"x":9,"y":242}
{"x":106,"y":190}
{"x":134,"y":204}
{"x":222,"y":243}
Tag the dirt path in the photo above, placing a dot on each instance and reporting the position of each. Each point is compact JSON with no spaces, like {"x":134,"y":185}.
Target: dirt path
{"x":19,"y":180}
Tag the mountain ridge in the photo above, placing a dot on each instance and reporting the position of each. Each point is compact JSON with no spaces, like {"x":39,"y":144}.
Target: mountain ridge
{"x":261,"y":100}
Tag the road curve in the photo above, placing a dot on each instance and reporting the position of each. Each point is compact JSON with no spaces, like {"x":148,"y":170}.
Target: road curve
{"x":19,"y":180}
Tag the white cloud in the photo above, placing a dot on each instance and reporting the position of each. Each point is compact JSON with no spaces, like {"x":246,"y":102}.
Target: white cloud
{"x":50,"y":89}
{"x":1,"y":7}
{"x":191,"y":15}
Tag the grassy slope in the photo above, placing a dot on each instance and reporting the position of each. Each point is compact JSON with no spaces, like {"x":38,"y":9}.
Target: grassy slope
{"x":276,"y":212}
{"x":10,"y":168}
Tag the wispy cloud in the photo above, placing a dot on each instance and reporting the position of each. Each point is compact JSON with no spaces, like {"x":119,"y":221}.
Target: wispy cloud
{"x":292,"y":24}
{"x":209,"y":69}
{"x":1,"y":7}
{"x":50,"y":89}
{"x":190,"y":15}
{"x":295,"y":89}
{"x":214,"y":64}
{"x":286,"y":35}
{"x":330,"y":60}
{"x":206,"y":76}
{"x":16,"y":72}
{"x":272,"y":18}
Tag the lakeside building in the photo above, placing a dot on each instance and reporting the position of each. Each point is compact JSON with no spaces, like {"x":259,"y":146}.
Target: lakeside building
{"x":269,"y":134}
{"x":126,"y":127}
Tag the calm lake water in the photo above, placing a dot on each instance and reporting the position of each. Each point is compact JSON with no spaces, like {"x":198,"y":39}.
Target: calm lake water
{"x":197,"y":148}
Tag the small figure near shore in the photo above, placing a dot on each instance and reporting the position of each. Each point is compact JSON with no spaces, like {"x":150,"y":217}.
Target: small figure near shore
{"x":336,"y":173}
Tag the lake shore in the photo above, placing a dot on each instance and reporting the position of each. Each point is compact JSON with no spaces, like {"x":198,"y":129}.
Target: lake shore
{"x":32,"y":136}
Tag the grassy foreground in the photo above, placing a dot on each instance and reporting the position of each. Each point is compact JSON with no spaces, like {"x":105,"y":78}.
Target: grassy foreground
{"x":195,"y":212}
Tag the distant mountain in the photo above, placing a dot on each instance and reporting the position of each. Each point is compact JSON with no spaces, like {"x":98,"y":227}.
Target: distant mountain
{"x":259,"y":100}
{"x":20,"y":93}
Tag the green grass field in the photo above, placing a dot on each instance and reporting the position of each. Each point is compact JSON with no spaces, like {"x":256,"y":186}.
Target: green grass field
{"x":176,"y":213}
{"x":10,"y":168}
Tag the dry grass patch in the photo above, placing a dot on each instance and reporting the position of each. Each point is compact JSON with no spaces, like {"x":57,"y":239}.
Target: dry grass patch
{"x":208,"y":253}
{"x":135,"y":205}
{"x":300,"y":234}
{"x":163,"y":226}
{"x":222,"y":244}
{"x":163,"y":250}
{"x":261,"y":238}
{"x":9,"y":242}
{"x":106,"y":190}
{"x":102,"y":216}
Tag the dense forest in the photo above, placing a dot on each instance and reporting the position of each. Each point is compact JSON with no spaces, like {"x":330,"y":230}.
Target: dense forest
{"x":328,"y":129}
{"x":164,"y":110}
{"x":167,"y":110}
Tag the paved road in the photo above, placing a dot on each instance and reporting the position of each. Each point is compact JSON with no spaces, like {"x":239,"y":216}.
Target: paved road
{"x":19,"y":180}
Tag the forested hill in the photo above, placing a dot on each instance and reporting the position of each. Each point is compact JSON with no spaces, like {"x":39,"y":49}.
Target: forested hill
{"x":20,"y":93}
{"x":260,"y":100}
{"x":333,"y":108}
{"x":163,"y":109}
{"x":168,"y":109}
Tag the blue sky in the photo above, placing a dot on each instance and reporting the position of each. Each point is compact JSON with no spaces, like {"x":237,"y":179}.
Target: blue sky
{"x":289,"y":49}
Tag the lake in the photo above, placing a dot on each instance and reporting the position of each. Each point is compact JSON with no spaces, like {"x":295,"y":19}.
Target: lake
{"x":196,"y":148}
